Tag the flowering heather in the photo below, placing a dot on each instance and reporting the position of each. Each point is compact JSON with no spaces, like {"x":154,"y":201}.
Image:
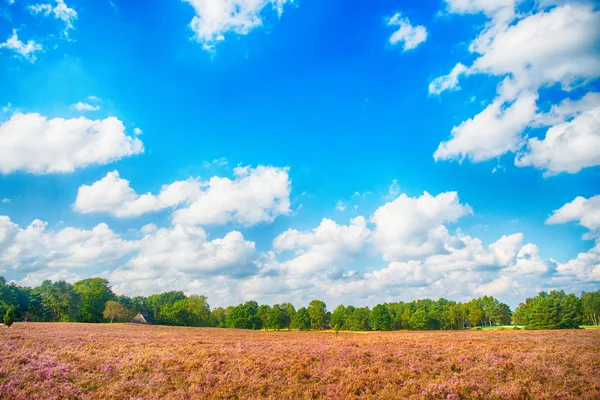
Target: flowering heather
{"x":79,"y":361}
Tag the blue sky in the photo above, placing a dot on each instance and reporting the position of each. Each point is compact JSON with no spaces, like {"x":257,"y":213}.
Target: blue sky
{"x":339,"y":111}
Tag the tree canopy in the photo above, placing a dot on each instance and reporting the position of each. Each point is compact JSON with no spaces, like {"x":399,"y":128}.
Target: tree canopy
{"x":92,"y":300}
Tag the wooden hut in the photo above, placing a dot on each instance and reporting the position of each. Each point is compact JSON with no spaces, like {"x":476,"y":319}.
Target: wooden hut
{"x":143,"y":318}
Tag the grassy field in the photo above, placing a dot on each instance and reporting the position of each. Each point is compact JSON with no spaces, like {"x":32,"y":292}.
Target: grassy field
{"x":61,"y":361}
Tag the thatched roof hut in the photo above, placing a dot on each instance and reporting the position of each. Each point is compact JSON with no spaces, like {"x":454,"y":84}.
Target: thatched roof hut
{"x":143,"y":318}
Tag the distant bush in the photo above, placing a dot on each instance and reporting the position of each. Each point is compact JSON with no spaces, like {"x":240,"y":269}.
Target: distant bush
{"x":9,"y":317}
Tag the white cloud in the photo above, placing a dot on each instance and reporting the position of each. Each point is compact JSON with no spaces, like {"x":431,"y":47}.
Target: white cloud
{"x":5,"y":201}
{"x":447,"y":82}
{"x":35,"y":278}
{"x":497,"y":286}
{"x":38,"y":253}
{"x":468,"y":253}
{"x":585,"y":211}
{"x":567,"y":110}
{"x":585,"y":267}
{"x":567,"y":147}
{"x":187,"y":249}
{"x":182,"y":258}
{"x":325,"y":248}
{"x":81,"y":106}
{"x":491,"y":133}
{"x":488,"y":7}
{"x":112,"y":194}
{"x":410,"y":36}
{"x":26,"y":50}
{"x":530,"y":51}
{"x":36,"y":144}
{"x":214,"y":19}
{"x":59,"y":11}
{"x":340,"y":206}
{"x":558,"y":46}
{"x":137,"y":131}
{"x":7,"y":107}
{"x":306,"y":264}
{"x":529,"y":262}
{"x":256,"y":195}
{"x":35,"y":248}
{"x":411,"y":227}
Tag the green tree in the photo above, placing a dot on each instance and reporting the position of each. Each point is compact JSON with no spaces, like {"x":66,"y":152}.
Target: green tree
{"x":358,"y":320}
{"x":218,"y":318}
{"x":302,"y":319}
{"x":501,"y":314}
{"x":263,"y":314}
{"x":61,"y":299}
{"x":114,"y":310}
{"x":191,"y":311}
{"x":475,"y":314}
{"x":157,"y":302}
{"x":290,"y":311}
{"x":570,"y":312}
{"x":200,"y":310}
{"x":339,"y":317}
{"x":9,"y":317}
{"x":419,"y":320}
{"x":278,"y":318}
{"x":591,"y":307}
{"x":405,"y":318}
{"x":318,"y":314}
{"x":94,"y":292}
{"x":380,"y":318}
{"x":554,"y":310}
{"x":244,"y":316}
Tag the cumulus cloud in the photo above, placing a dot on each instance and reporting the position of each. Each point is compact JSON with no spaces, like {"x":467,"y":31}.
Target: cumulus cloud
{"x":585,"y":267}
{"x":531,"y":51}
{"x":308,"y":264}
{"x":411,"y":227}
{"x":112,"y":194}
{"x":256,"y":195}
{"x":567,"y":147}
{"x":183,"y":258}
{"x":59,"y":11}
{"x":36,"y":248}
{"x":584,"y":211}
{"x":39,"y":253}
{"x":214,"y":19}
{"x":26,"y":50}
{"x":491,"y":133}
{"x":36,"y":144}
{"x":187,"y":249}
{"x":325,"y":248}
{"x":410,"y":36}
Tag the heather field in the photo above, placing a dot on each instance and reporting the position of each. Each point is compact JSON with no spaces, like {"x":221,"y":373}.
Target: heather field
{"x":60,"y":361}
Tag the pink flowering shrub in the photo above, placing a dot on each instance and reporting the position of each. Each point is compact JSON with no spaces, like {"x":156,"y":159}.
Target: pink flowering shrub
{"x":79,"y":361}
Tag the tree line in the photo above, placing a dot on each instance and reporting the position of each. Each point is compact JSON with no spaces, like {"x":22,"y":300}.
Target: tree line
{"x":92,"y":300}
